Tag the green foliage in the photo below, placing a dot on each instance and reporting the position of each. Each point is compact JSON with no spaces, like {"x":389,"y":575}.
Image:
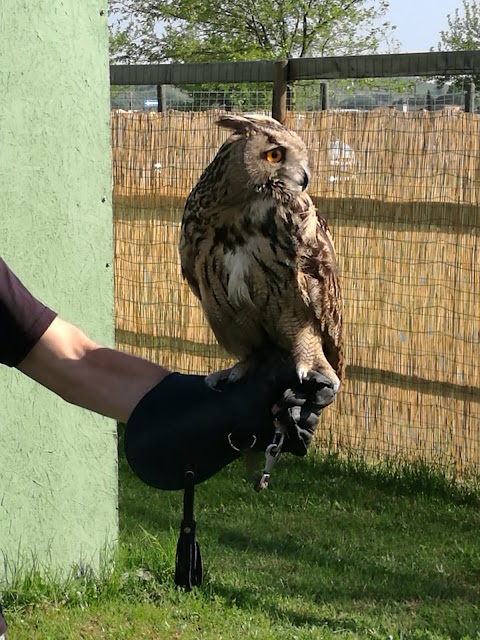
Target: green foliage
{"x":463,"y":34}
{"x":118,"y":40}
{"x":200,"y":30}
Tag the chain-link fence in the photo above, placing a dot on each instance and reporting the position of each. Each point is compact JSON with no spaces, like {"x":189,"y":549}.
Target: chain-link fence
{"x":402,"y":95}
{"x":400,"y":190}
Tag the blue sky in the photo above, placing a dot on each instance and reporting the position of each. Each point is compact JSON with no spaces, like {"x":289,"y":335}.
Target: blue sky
{"x":419,"y":22}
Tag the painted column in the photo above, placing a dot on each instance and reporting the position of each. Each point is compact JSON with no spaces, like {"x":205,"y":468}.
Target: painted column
{"x":58,"y":466}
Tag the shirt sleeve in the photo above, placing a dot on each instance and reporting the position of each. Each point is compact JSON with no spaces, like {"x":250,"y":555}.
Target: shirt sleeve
{"x":23,"y":318}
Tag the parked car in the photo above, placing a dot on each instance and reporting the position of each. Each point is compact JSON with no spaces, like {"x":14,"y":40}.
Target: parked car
{"x":358,"y":103}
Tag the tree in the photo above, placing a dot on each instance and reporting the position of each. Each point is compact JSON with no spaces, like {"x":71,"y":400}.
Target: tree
{"x":207,"y":30}
{"x":463,"y":34}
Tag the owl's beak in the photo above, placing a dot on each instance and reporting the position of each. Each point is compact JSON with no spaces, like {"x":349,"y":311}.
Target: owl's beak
{"x":305,"y":180}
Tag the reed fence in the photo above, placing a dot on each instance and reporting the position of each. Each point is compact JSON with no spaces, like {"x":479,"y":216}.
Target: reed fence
{"x":400,"y":192}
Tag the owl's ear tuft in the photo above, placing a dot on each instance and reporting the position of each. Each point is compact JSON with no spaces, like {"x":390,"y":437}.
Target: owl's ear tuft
{"x":239,"y":124}
{"x":252,"y":123}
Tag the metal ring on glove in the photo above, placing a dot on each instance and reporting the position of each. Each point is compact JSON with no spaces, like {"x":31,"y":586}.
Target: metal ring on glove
{"x":236,"y":448}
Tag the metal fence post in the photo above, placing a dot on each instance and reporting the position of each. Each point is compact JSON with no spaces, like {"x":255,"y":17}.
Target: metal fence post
{"x":290,"y":98}
{"x":429,"y":101}
{"x":161,"y":98}
{"x":470,"y":98}
{"x":280,"y":88}
{"x":324,"y":97}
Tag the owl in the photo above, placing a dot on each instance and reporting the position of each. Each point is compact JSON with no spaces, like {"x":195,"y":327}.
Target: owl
{"x":259,"y":257}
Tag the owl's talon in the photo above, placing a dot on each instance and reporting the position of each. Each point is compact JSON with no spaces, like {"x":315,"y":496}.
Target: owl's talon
{"x":217,"y":379}
{"x":238,"y":371}
{"x":305,"y":374}
{"x":302,"y":373}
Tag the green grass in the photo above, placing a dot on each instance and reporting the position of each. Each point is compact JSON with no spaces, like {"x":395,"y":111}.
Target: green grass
{"x":333,"y":549}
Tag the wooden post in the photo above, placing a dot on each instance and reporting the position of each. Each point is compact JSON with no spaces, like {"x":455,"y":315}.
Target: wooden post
{"x":279,"y":98}
{"x":470,"y":98}
{"x":161,"y":98}
{"x":324,"y":97}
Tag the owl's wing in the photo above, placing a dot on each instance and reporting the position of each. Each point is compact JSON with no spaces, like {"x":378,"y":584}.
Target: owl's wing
{"x":186,"y":246}
{"x":319,"y":286}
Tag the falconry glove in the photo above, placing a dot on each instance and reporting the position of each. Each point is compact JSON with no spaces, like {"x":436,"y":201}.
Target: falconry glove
{"x":183,"y":424}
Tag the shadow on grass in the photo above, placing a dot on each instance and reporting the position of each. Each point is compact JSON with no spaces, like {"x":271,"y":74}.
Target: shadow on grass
{"x":330,"y":538}
{"x":328,"y":574}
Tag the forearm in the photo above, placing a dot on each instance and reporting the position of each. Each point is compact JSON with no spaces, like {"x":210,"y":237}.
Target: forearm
{"x":114,"y":382}
{"x":88,"y":375}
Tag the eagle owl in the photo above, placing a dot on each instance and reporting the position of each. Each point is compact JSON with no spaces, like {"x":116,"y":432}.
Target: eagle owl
{"x":259,"y":257}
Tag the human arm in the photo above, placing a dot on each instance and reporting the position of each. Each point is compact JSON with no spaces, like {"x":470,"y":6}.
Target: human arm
{"x":86,"y":374}
{"x":61,"y":357}
{"x":177,"y":417}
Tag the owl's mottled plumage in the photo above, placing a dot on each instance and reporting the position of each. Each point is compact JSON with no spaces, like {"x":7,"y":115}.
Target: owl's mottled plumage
{"x":257,"y":254}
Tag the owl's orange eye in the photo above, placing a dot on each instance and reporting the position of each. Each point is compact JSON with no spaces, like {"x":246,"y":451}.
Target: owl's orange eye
{"x":274,"y":155}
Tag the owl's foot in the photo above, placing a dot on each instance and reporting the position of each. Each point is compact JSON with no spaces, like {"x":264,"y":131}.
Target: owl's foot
{"x":224,"y":376}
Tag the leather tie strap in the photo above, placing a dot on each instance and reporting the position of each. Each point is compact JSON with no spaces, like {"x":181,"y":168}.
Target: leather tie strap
{"x":188,"y":560}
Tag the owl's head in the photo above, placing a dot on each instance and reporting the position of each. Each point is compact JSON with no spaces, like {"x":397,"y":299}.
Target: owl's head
{"x":274,"y":158}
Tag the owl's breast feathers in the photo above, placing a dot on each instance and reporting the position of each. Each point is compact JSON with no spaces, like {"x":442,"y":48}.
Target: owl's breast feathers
{"x":251,"y":263}
{"x":237,"y":264}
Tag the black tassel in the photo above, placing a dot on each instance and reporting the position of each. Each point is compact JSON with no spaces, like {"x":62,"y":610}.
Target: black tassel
{"x":188,"y":560}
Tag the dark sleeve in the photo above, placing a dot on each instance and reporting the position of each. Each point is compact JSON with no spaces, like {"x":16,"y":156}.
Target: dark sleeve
{"x":23,"y":319}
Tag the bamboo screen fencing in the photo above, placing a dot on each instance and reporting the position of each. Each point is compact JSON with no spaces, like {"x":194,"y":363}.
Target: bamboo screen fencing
{"x":400,"y":192}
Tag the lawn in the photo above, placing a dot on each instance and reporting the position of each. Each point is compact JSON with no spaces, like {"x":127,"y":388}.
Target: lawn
{"x":333,"y":549}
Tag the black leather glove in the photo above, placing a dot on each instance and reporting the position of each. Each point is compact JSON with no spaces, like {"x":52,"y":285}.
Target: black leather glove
{"x":299,"y":411}
{"x":182,"y":423}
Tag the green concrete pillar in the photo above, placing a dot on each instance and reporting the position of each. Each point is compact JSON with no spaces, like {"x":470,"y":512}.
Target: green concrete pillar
{"x":58,"y":466}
